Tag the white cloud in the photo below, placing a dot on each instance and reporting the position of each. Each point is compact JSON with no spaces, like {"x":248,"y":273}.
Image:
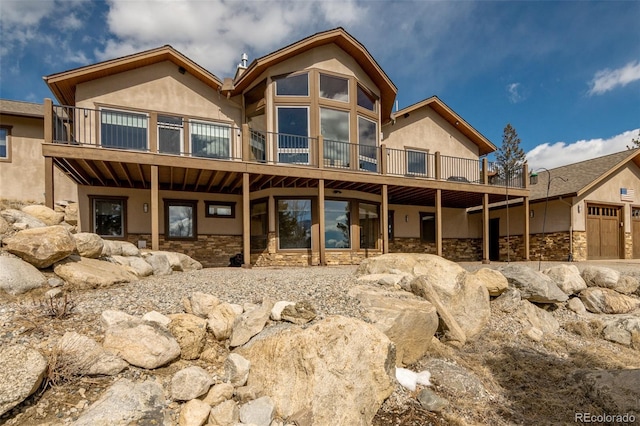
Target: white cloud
{"x":215,"y":33}
{"x":558,"y":154}
{"x":608,"y":79}
{"x":514,"y":91}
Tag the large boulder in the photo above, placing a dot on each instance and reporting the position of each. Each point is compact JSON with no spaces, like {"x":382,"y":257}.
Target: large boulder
{"x":141,"y":343}
{"x":616,"y":391}
{"x":44,"y":214}
{"x":493,"y":280}
{"x":85,"y":273}
{"x":159,"y":262}
{"x":126,"y":403}
{"x":89,"y":244}
{"x":567,"y":278}
{"x":250,"y":323}
{"x":623,"y":329}
{"x":119,"y":248}
{"x":221,"y":320}
{"x":533,"y":285}
{"x":606,"y":301}
{"x":21,"y":220}
{"x":21,"y":374}
{"x":410,"y":264}
{"x":190,"y":383}
{"x":408,"y":321}
{"x":71,"y":213}
{"x":530,"y":316}
{"x":190,"y":331}
{"x":18,"y":276}
{"x":338,"y":371}
{"x":455,"y":380}
{"x":200,"y":304}
{"x":600,"y":276}
{"x":81,"y":355}
{"x":4,"y":226}
{"x":41,"y":247}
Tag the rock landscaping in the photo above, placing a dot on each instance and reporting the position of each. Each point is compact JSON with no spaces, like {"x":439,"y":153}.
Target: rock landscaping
{"x":99,"y":332}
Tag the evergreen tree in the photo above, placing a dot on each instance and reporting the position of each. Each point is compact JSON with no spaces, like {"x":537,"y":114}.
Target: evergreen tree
{"x":510,"y":156}
{"x":635,"y":142}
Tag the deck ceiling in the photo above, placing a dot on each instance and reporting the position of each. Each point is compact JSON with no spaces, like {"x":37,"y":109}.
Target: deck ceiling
{"x":117,"y":174}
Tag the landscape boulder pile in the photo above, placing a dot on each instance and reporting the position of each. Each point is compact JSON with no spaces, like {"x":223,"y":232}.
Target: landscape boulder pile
{"x":41,"y":238}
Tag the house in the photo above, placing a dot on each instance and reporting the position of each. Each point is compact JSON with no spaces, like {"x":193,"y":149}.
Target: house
{"x":583,"y":211}
{"x":297,"y":160}
{"x":21,"y":161}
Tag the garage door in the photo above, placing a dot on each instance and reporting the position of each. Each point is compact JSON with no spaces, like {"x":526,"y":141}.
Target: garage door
{"x":603,"y":232}
{"x":635,"y":231}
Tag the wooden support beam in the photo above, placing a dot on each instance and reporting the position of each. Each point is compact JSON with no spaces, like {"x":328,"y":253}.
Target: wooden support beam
{"x":200,"y":172}
{"x":171,"y":178}
{"x":485,"y":228}
{"x":126,"y":173}
{"x":78,"y":171}
{"x":212,"y":179}
{"x":526,"y":230}
{"x":266,"y":181}
{"x":48,"y":182}
{"x":112,"y":173}
{"x":228,"y":180}
{"x":185,"y":179}
{"x":144,"y":183}
{"x":385,"y":219}
{"x":439,"y":222}
{"x":246,"y":220}
{"x":321,"y":221}
{"x":89,"y":165}
{"x":155,"y":207}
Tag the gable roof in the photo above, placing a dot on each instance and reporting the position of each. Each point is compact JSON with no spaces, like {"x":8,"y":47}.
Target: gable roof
{"x":63,"y":84}
{"x":342,"y":39}
{"x":581,"y":177}
{"x":435,"y":103}
{"x":22,"y":109}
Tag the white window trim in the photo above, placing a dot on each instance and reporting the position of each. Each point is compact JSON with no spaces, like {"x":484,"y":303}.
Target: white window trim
{"x":215,"y":123}
{"x":306,"y":150}
{"x":124,"y":111}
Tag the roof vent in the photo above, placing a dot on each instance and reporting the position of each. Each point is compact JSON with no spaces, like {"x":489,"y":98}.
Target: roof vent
{"x":243,"y":61}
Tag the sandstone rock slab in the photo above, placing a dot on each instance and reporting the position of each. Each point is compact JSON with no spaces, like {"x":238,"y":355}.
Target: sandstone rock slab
{"x":533,"y":285}
{"x":190,"y":331}
{"x":567,"y":278}
{"x":18,"y":276}
{"x":85,"y":273}
{"x":21,"y":374}
{"x":46,"y":215}
{"x":41,"y":247}
{"x":82,"y":355}
{"x":88,"y":244}
{"x":606,"y":301}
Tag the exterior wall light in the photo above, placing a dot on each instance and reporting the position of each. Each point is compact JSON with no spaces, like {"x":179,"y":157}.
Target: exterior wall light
{"x":145,"y":207}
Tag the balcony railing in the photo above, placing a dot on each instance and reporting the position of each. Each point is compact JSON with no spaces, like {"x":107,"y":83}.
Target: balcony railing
{"x":124,"y":130}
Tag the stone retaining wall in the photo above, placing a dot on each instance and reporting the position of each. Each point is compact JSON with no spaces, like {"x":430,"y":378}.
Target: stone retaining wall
{"x":455,"y":249}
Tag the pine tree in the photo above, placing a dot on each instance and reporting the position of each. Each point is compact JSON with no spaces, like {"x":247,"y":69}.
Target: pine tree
{"x":510,"y":156}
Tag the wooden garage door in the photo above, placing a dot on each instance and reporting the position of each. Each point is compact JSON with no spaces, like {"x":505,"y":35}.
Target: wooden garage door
{"x":635,"y":231}
{"x":603,"y":232}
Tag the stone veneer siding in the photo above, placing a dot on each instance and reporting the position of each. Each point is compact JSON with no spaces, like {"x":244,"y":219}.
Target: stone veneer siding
{"x":579,"y":245}
{"x":628,"y":245}
{"x":455,"y":249}
{"x":210,"y":250}
{"x":555,"y":246}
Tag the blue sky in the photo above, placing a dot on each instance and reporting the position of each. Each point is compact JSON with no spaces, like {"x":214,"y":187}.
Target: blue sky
{"x":566,"y":75}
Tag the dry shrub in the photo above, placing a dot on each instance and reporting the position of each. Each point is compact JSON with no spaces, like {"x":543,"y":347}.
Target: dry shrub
{"x":58,"y":371}
{"x":591,"y":329}
{"x":55,"y":307}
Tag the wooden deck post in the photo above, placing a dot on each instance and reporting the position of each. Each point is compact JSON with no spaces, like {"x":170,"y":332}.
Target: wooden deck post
{"x":384,"y":167}
{"x":438,"y":166}
{"x":246,"y":143}
{"x":385,"y":219}
{"x":154,"y":145}
{"x":321,"y":220}
{"x":485,"y":171}
{"x":155,"y":209}
{"x":320,"y":154}
{"x":526,"y":230}
{"x":439,"y":222}
{"x":48,"y":120}
{"x":246,"y":221}
{"x":48,"y":182}
{"x":485,"y":228}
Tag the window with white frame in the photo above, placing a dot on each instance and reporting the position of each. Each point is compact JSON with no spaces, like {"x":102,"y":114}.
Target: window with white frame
{"x":416,"y":162}
{"x":4,"y":143}
{"x":293,"y":134}
{"x":169,"y":134}
{"x":123,"y":130}
{"x":211,"y":140}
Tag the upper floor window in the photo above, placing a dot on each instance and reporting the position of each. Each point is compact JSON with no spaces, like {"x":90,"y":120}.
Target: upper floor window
{"x":367,"y":144}
{"x":125,"y":130}
{"x":365,"y":99}
{"x":169,"y":134}
{"x":416,"y":162}
{"x":210,"y":139}
{"x":4,"y":143}
{"x":335,"y":88}
{"x":293,"y":85}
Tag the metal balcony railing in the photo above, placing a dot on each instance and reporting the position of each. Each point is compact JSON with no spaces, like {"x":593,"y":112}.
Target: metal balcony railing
{"x":131,"y":131}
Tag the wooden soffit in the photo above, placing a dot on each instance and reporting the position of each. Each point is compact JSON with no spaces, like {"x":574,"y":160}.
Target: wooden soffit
{"x":63,"y":84}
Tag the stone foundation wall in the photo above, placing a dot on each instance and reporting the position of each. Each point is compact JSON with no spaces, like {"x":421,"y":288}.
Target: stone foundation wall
{"x":628,"y":245}
{"x":512,"y":248}
{"x":455,"y":249}
{"x":579,"y":245}
{"x":210,"y":250}
{"x":554,"y":246}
